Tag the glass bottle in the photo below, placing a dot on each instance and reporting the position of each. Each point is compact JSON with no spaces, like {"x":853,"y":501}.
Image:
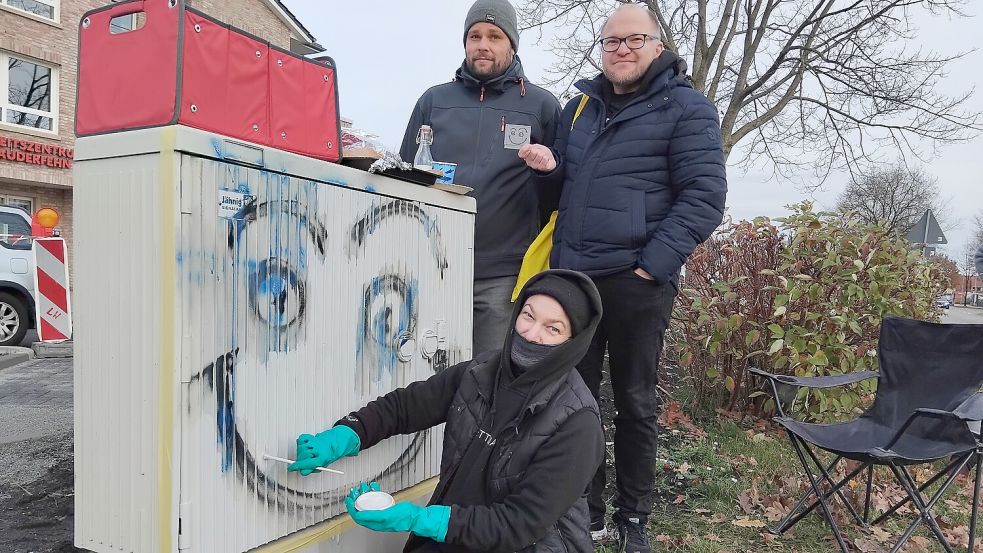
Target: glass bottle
{"x":424,"y":159}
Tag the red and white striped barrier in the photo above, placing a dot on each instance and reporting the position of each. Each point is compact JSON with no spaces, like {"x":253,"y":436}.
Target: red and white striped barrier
{"x":53,"y":308}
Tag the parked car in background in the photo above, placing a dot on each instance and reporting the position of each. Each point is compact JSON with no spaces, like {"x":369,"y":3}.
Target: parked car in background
{"x":18,"y":229}
{"x":973,"y":298}
{"x":944,"y":301}
{"x":16,"y":276}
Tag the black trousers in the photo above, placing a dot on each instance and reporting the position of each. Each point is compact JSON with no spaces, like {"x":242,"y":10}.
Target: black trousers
{"x":636,"y":315}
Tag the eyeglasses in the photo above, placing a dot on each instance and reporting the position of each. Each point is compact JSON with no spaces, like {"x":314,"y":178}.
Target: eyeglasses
{"x":633,"y":42}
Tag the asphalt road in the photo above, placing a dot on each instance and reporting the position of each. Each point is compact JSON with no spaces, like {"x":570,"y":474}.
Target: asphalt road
{"x":35,"y":412}
{"x":963,"y":315}
{"x":36,"y":476}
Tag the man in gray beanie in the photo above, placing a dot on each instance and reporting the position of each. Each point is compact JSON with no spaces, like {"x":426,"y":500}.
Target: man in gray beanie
{"x":497,"y":12}
{"x":480,"y":120}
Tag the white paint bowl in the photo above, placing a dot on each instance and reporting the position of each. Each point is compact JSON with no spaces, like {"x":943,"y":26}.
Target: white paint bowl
{"x":374,"y":501}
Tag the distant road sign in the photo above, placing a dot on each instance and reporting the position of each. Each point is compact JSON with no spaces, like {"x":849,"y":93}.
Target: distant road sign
{"x":927,"y":231}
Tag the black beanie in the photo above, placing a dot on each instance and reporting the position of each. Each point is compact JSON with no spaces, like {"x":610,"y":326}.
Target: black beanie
{"x":497,"y":12}
{"x":569,"y":294}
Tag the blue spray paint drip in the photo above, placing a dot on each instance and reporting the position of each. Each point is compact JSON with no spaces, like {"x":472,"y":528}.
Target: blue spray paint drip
{"x":226,"y":431}
{"x":369,"y":188}
{"x":380,"y":333}
{"x":217,"y":146}
{"x":299,"y":223}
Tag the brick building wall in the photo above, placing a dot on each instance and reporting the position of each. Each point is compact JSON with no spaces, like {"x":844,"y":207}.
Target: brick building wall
{"x":966,"y":283}
{"x":54,"y":44}
{"x":253,"y":16}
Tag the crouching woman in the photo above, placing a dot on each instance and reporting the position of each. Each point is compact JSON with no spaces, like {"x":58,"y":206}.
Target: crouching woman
{"x":522,"y":441}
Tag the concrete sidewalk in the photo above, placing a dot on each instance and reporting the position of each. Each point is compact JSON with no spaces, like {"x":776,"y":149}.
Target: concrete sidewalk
{"x":958,"y":314}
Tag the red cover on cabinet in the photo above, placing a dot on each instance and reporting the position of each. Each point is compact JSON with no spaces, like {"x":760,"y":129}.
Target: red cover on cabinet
{"x":184,"y":67}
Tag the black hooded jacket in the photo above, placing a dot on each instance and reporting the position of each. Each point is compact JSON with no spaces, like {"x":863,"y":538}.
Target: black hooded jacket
{"x":472,"y":121}
{"x":525,"y":491}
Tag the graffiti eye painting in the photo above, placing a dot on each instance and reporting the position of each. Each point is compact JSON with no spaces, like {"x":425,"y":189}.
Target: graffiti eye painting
{"x":313,"y":300}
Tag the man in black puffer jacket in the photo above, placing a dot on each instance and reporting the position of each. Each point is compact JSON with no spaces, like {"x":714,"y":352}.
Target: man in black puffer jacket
{"x":640,"y":160}
{"x":522,"y":441}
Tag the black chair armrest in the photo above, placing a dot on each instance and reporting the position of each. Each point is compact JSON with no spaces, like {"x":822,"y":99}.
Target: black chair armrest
{"x":933,"y":413}
{"x":808,"y":382}
{"x":938,"y":413}
{"x":815,"y":381}
{"x":972,"y":408}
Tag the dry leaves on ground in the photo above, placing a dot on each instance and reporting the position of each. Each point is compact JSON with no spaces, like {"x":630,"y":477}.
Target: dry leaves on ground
{"x":745,"y":522}
{"x":673,"y":417}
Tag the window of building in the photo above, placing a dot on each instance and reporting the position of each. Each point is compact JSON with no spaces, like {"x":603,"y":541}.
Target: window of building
{"x":27,"y":204}
{"x":30,"y":97}
{"x":48,"y":9}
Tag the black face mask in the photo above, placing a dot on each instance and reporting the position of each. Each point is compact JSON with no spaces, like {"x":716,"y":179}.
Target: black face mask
{"x":525,"y":354}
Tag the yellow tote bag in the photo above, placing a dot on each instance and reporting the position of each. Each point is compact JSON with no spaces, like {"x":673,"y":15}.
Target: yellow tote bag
{"x":537,"y":257}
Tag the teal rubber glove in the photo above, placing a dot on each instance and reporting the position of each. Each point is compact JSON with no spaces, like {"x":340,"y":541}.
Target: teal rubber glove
{"x":426,"y":522}
{"x":325,"y":448}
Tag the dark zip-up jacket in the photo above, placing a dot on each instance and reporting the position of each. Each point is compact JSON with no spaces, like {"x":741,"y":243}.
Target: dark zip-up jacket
{"x":540,"y":463}
{"x":470,"y":119}
{"x":644,"y":188}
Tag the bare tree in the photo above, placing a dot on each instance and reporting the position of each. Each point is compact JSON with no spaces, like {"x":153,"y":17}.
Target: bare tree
{"x":977,"y":226}
{"x":948,"y":268}
{"x":798,"y":83}
{"x":895,"y":197}
{"x":967,"y":266}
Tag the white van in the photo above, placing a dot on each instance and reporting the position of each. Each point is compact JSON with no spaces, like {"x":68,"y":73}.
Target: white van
{"x":16,"y":276}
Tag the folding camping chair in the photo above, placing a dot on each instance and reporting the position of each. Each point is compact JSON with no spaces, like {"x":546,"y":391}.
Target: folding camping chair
{"x":927,"y":384}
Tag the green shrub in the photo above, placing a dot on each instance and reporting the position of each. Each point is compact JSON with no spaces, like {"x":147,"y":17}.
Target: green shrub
{"x":805,"y":297}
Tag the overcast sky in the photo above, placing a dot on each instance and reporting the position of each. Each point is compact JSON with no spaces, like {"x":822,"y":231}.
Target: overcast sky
{"x":389,"y":52}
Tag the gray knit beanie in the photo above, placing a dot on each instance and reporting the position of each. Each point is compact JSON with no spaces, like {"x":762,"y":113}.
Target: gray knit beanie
{"x":497,"y":12}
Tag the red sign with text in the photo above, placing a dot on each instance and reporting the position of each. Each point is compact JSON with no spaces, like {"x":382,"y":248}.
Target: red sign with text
{"x":35,"y":153}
